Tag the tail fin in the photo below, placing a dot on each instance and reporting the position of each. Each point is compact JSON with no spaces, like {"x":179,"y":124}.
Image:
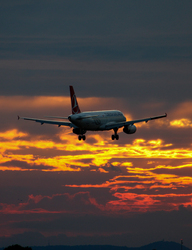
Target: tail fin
{"x":74,"y":103}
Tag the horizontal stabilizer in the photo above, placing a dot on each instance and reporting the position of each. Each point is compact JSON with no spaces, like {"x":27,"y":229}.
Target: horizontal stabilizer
{"x":57,"y":117}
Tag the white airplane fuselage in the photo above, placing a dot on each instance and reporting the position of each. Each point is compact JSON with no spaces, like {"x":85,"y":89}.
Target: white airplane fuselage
{"x":96,"y":120}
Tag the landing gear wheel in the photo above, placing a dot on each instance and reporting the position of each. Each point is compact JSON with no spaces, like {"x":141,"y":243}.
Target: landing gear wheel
{"x":81,"y":137}
{"x":113,"y":137}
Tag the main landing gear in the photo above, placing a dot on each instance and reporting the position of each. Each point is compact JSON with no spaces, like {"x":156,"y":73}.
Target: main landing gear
{"x":115,"y":136}
{"x":81,"y":137}
{"x":80,"y":132}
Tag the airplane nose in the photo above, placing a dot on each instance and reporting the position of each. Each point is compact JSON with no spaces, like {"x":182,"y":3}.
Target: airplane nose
{"x":69,"y":118}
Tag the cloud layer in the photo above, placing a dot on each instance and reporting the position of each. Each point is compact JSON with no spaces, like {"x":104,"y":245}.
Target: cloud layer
{"x":50,"y":180}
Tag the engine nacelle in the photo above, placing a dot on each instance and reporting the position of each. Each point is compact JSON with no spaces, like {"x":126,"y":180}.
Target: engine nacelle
{"x":79,"y":131}
{"x":129,"y":129}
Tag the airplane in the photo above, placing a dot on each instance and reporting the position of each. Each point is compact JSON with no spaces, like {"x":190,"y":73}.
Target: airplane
{"x":81,"y":122}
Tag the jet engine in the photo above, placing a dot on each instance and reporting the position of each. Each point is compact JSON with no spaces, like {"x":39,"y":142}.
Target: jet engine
{"x":129,"y":129}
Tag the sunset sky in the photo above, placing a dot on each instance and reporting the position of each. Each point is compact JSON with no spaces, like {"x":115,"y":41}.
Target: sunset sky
{"x":134,"y":56}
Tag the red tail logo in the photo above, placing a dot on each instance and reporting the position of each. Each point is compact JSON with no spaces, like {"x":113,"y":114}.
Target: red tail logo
{"x":74,"y":103}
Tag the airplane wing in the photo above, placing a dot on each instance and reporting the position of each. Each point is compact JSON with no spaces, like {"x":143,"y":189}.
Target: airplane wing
{"x":146,"y":119}
{"x":42,"y":121}
{"x":121,"y":124}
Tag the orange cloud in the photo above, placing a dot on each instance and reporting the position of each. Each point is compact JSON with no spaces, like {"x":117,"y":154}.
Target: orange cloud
{"x":181,"y":123}
{"x":77,"y":153}
{"x":134,"y":186}
{"x":12,"y":134}
{"x":23,"y":103}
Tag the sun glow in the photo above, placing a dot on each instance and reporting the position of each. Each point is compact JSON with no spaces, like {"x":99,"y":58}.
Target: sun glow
{"x":138,"y":174}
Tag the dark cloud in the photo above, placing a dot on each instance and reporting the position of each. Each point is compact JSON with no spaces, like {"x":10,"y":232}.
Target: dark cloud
{"x":123,"y":230}
{"x":23,"y":165}
{"x":100,"y":17}
{"x":103,"y":31}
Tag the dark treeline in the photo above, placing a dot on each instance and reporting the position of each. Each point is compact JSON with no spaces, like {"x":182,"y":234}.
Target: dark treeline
{"x":161,"y":245}
{"x":17,"y":247}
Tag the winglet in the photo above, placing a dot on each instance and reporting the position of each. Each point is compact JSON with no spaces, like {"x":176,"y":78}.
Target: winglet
{"x":74,"y":103}
{"x":18,"y":117}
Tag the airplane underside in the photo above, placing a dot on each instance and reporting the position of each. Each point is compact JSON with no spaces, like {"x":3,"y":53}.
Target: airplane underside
{"x":81,"y":134}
